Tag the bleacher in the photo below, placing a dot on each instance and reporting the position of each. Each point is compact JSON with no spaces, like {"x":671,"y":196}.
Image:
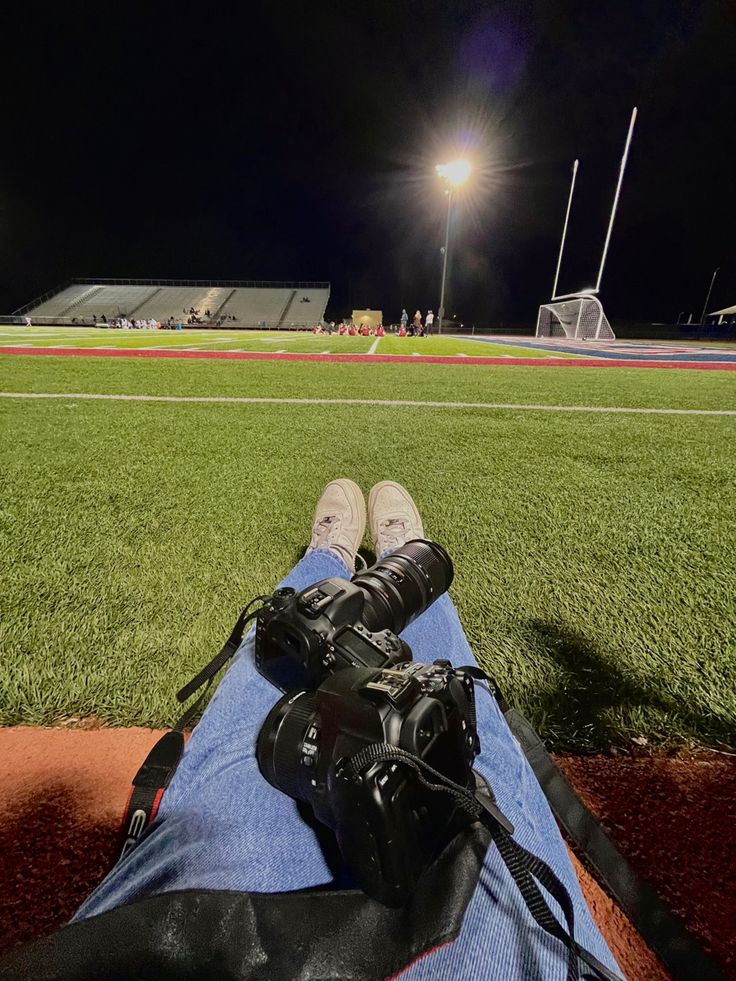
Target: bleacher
{"x":231,"y":304}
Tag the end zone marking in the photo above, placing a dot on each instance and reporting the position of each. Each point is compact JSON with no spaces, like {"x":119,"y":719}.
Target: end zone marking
{"x":411,"y":403}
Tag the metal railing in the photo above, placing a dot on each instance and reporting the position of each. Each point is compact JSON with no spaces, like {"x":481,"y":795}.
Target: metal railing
{"x":236,"y":283}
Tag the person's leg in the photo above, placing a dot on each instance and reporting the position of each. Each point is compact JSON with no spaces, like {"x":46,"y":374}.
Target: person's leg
{"x":499,"y":939}
{"x":220,"y":824}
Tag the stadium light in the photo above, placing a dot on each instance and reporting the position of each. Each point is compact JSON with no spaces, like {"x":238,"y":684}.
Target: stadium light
{"x":454,"y":174}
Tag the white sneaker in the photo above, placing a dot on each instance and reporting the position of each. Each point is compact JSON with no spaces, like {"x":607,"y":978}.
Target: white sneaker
{"x":394,"y":518}
{"x":339,"y":521}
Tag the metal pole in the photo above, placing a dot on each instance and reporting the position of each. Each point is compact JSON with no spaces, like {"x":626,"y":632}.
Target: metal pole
{"x":444,"y":260}
{"x":707,"y":296}
{"x":564,"y":227}
{"x":616,"y":197}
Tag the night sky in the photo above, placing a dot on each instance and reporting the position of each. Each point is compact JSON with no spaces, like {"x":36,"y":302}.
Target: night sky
{"x":283,"y":142}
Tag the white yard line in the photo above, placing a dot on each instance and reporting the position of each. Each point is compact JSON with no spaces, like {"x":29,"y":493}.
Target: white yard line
{"x":374,"y":345}
{"x":191,"y":347}
{"x":258,"y":400}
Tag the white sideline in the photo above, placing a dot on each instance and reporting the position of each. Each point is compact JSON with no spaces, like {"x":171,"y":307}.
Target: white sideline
{"x":262,"y":400}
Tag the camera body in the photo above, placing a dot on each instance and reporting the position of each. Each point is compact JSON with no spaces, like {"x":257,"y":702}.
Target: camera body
{"x":388,"y":823}
{"x":303,"y":637}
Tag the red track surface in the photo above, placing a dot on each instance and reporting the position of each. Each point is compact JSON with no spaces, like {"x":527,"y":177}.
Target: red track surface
{"x":112,"y":352}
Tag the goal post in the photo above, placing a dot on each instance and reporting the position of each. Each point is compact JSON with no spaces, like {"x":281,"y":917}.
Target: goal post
{"x":578,"y":317}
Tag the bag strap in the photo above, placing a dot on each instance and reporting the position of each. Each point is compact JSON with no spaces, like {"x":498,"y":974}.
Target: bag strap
{"x":159,"y":767}
{"x":661,"y":930}
{"x":148,"y":788}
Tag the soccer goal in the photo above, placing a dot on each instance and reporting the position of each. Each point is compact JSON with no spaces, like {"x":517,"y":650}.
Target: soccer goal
{"x":579,"y":317}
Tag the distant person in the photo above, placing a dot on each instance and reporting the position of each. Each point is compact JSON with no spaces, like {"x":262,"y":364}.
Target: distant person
{"x":380,"y":331}
{"x":404,"y":319}
{"x":179,"y":326}
{"x":104,"y":318}
{"x":428,"y":323}
{"x":403,"y":331}
{"x":29,"y":322}
{"x":417,"y":320}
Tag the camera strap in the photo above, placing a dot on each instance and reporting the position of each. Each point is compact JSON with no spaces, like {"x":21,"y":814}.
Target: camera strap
{"x":663,"y":932}
{"x":159,"y":767}
{"x":525,"y":868}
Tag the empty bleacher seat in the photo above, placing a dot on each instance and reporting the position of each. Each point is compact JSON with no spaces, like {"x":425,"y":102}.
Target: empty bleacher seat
{"x":246,"y":306}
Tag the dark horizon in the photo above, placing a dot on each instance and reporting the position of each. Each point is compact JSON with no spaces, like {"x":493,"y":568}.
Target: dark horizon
{"x":276,"y":143}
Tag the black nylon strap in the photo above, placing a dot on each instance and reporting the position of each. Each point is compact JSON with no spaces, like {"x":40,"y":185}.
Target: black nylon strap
{"x":161,"y":763}
{"x":474,"y":804}
{"x":522,"y":865}
{"x":220,"y":660}
{"x":148,"y":786}
{"x":524,"y":868}
{"x":663,"y":932}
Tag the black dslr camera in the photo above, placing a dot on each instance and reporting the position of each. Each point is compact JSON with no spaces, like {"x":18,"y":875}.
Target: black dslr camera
{"x":303,"y":637}
{"x":354,"y":749}
{"x":370,"y":739}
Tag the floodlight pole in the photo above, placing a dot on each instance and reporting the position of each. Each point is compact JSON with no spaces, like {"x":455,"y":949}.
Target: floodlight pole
{"x":441,"y":312}
{"x":622,"y":168}
{"x":564,"y":227}
{"x":707,"y":296}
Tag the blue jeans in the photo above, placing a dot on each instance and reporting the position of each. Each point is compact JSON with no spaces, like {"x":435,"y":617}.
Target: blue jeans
{"x":222,"y":826}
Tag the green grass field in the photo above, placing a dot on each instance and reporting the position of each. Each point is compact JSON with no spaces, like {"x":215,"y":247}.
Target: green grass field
{"x":297,"y":342}
{"x":595,"y":553}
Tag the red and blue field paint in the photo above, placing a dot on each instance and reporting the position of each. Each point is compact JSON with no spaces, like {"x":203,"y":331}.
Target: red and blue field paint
{"x":725,"y":361}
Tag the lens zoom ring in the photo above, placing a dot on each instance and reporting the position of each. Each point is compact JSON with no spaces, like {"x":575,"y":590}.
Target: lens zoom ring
{"x":433,"y":561}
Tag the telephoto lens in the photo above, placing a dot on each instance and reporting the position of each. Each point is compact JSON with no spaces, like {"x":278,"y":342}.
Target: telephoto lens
{"x":336,"y":623}
{"x":403,"y":584}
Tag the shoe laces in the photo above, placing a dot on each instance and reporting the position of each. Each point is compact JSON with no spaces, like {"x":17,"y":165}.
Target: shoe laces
{"x":326,"y":529}
{"x":392,"y":533}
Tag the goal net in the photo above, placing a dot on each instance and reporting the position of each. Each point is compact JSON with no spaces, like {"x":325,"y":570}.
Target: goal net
{"x":581,"y":317}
